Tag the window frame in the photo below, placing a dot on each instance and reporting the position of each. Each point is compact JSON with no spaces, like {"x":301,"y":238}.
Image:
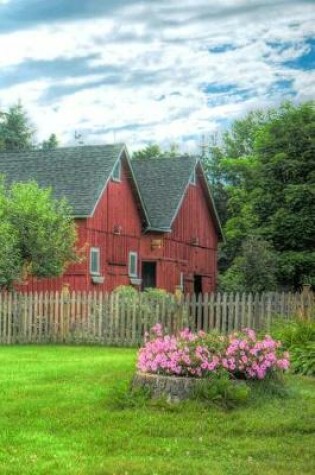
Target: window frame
{"x":98,"y":254}
{"x":117,"y":167}
{"x":131,"y":255}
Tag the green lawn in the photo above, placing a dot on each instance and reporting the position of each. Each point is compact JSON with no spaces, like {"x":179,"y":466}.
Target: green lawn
{"x":56,"y":418}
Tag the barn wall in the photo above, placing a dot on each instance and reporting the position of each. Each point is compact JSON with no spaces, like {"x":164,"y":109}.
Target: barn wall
{"x":191,"y":248}
{"x":116,"y":228}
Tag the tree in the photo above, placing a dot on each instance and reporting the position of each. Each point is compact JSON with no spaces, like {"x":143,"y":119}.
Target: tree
{"x":50,"y":144}
{"x":254,"y":270}
{"x":284,"y":196}
{"x":37,"y":233}
{"x":150,"y":151}
{"x":155,"y":151}
{"x":16,"y":131}
{"x":271,"y":188}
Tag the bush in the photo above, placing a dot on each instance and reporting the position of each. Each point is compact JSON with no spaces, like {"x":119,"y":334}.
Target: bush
{"x":158,"y":294}
{"x":201,"y":355}
{"x":126,"y":291}
{"x":295,"y":333}
{"x":222,"y":391}
{"x":303,"y":359}
{"x":249,"y":358}
{"x":298,"y":336}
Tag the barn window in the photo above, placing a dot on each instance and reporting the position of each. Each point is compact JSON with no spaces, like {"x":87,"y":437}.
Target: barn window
{"x":133,"y":264}
{"x":116,"y":172}
{"x":95,"y":260}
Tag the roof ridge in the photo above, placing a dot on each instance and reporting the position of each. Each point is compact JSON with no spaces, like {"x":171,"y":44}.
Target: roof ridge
{"x":58,"y":149}
{"x":177,"y":157}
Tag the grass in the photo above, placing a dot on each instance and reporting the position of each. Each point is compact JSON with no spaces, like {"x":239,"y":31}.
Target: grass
{"x":58,"y":416}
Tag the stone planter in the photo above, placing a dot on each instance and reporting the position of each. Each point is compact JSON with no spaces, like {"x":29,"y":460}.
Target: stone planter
{"x":174,"y":388}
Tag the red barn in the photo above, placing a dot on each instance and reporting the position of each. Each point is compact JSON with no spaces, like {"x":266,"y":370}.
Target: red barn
{"x":147,"y":223}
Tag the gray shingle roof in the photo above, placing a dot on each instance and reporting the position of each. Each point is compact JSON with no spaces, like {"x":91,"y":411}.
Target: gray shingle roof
{"x":80,"y":174}
{"x":76,"y":173}
{"x":162,"y":183}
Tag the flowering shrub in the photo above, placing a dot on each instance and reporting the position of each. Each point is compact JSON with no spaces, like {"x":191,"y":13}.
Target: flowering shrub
{"x":246,"y":356}
{"x":187,"y":354}
{"x":200,"y":354}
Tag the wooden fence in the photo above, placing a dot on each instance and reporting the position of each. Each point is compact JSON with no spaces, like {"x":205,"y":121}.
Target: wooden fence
{"x":112,"y":319}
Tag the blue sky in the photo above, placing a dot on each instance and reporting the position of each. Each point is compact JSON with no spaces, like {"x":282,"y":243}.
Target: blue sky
{"x":152,"y":71}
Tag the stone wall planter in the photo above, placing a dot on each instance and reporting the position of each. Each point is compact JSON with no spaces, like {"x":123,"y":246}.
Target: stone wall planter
{"x":175,"y":388}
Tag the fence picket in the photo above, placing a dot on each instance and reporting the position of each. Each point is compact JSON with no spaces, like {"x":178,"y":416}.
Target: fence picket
{"x":199,"y":312}
{"x":113,"y":319}
{"x":206,"y":312}
{"x":217,"y":307}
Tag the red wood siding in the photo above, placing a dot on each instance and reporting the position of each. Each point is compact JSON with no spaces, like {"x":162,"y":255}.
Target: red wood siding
{"x":191,"y":248}
{"x":116,"y":228}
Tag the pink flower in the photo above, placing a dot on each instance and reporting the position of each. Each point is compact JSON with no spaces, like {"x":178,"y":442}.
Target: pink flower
{"x":191,"y":354}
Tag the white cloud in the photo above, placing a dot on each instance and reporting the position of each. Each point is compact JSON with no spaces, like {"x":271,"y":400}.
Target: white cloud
{"x":168,"y":74}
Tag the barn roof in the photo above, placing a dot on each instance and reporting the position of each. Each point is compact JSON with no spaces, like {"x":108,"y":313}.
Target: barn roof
{"x":80,"y":174}
{"x":76,"y":173}
{"x":162,"y":184}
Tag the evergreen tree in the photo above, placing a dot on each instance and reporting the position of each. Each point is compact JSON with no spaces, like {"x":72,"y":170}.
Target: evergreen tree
{"x":16,"y":131}
{"x":51,"y":143}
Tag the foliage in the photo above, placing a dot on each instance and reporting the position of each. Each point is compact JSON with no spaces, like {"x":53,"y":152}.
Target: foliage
{"x":150,"y":151}
{"x":156,"y":296}
{"x":156,"y":293}
{"x":16,"y":131}
{"x":200,"y":355}
{"x":126,"y":291}
{"x":266,"y":166}
{"x":51,"y":143}
{"x":294,"y":333}
{"x":37,"y":232}
{"x":298,"y":336}
{"x":10,"y":258}
{"x":155,"y":151}
{"x":274,"y":385}
{"x":254,"y":270}
{"x":303,"y":359}
{"x":212,"y":165}
{"x":222,"y":391}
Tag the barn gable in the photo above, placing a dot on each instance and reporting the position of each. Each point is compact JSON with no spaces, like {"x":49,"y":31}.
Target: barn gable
{"x":163,"y":183}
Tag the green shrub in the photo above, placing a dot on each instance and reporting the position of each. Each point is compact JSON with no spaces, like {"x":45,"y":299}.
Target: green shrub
{"x":273,"y":385}
{"x":222,"y":391}
{"x":156,"y":293}
{"x":295,"y":333}
{"x":126,"y":291}
{"x":298,"y":337}
{"x":303,"y":359}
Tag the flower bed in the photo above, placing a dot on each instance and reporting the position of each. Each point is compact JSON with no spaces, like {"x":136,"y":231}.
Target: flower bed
{"x":200,"y":355}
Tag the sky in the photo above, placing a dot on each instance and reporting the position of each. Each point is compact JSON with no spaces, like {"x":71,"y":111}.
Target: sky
{"x":152,"y":71}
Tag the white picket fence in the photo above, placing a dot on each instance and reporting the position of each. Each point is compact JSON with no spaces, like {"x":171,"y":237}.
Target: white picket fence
{"x":112,"y":319}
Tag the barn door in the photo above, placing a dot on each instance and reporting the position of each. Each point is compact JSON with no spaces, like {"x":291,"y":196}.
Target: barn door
{"x":148,"y":274}
{"x":197,"y":284}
